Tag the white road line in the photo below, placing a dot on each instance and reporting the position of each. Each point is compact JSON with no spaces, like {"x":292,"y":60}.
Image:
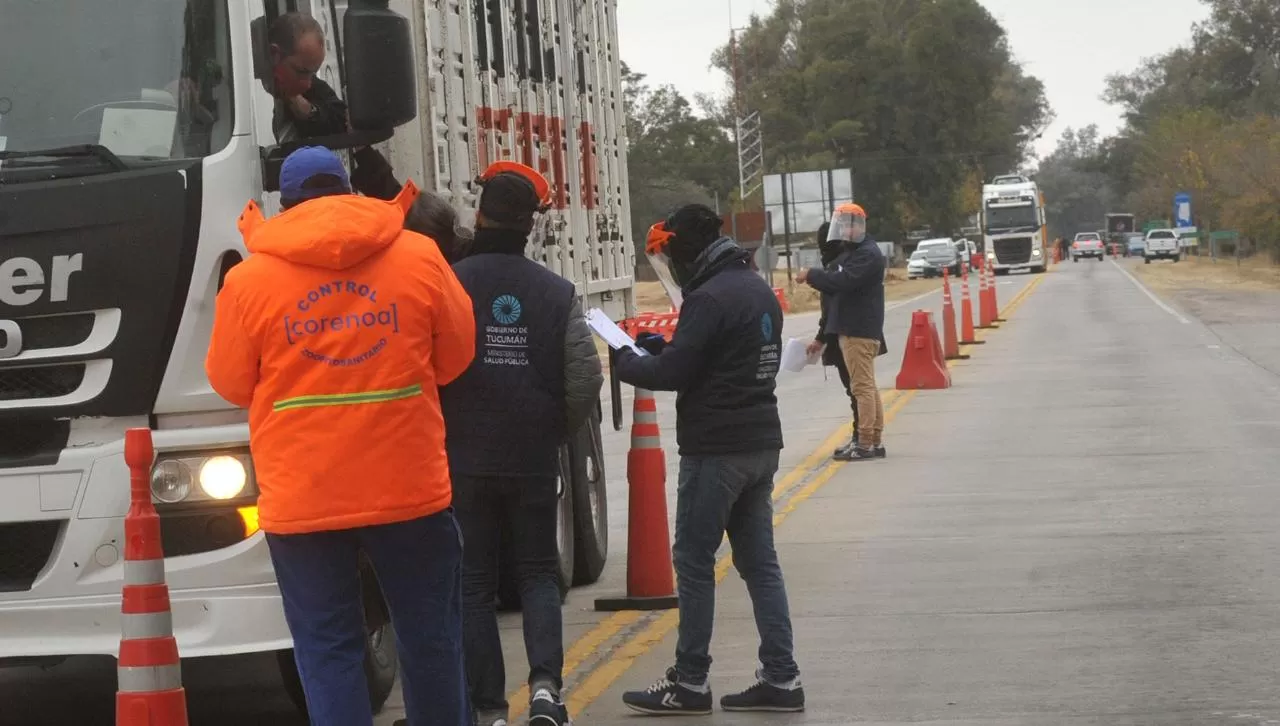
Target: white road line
{"x":1138,"y":284}
{"x":900,"y":303}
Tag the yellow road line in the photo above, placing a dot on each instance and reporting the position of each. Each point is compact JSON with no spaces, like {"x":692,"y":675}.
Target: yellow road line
{"x":611,"y":670}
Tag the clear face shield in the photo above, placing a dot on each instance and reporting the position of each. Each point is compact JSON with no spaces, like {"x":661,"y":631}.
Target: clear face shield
{"x":657,"y":250}
{"x":542,"y":223}
{"x":847,"y":226}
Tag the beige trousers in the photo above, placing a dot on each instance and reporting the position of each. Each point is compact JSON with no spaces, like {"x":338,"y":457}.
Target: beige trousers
{"x":860,"y":357}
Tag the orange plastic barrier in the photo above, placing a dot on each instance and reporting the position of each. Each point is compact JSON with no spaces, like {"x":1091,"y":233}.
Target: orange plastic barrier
{"x":950,"y":345}
{"x":923,"y":364}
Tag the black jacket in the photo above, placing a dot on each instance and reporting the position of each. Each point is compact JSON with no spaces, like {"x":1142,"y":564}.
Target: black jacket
{"x":856,"y":281}
{"x":371,"y":173}
{"x":722,"y":361}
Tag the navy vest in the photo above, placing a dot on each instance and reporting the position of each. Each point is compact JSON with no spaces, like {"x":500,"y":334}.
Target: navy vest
{"x":505,"y":416}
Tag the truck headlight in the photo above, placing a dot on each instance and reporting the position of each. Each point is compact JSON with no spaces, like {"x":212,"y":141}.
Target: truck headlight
{"x":1035,"y":253}
{"x":221,"y":476}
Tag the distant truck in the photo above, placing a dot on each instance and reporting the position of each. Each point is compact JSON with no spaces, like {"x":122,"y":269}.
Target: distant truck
{"x":1014,"y":235}
{"x":1119,"y":227}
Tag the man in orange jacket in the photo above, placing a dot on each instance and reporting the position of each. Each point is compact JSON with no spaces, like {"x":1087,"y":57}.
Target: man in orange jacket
{"x":335,"y":333}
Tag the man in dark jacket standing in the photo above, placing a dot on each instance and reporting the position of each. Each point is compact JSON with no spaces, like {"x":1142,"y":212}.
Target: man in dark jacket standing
{"x":829,"y":343}
{"x":722,"y":362}
{"x":856,"y":316}
{"x":535,"y":379}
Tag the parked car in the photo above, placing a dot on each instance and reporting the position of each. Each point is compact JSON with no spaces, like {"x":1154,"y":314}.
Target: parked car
{"x":967,"y":250}
{"x":917,"y":266}
{"x":1133,"y":245}
{"x":1088,"y":244}
{"x":941,"y":254}
{"x":1161,"y":244}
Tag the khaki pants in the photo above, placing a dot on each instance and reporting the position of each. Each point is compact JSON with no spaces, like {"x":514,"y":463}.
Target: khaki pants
{"x":860,"y":357}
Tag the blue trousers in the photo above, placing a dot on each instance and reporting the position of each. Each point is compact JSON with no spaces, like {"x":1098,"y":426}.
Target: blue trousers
{"x":419,"y":567}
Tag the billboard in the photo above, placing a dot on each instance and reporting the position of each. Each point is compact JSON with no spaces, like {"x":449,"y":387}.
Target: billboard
{"x":802,"y":201}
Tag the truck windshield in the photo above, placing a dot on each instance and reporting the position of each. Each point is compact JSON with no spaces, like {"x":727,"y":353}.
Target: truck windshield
{"x":1004,"y":218}
{"x":146,"y":79}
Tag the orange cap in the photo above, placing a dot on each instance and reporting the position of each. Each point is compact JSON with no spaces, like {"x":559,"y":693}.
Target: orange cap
{"x":851,"y":208}
{"x":541,"y":186}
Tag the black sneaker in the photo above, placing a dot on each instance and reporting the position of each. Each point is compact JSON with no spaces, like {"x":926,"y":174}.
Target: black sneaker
{"x":667,"y":697}
{"x":861,"y":453}
{"x":764,"y":696}
{"x":881,"y":453}
{"x":842,"y":453}
{"x":546,"y":709}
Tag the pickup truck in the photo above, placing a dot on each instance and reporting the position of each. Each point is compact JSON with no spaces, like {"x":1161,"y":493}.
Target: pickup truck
{"x":1087,"y":244}
{"x":1161,"y":244}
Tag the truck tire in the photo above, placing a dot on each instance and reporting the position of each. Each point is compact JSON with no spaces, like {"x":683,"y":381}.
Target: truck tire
{"x":508,"y":583}
{"x":590,"y":503}
{"x":1177,"y":258}
{"x":1146,"y":260}
{"x":381,"y":661}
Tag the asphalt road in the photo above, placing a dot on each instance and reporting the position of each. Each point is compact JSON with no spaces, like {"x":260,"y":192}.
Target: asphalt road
{"x":246,"y":690}
{"x":1080,"y":531}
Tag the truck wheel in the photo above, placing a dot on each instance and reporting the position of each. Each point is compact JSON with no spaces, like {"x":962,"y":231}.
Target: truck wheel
{"x":508,"y":583}
{"x":590,"y":503}
{"x":1177,"y":258}
{"x":1146,"y":260}
{"x":381,"y":661}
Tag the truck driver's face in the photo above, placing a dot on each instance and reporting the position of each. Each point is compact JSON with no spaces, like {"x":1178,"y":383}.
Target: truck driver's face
{"x":293,"y":73}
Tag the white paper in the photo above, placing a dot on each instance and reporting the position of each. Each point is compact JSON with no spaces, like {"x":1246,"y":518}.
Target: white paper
{"x":795,"y":356}
{"x":609,"y":331}
{"x":138,"y":131}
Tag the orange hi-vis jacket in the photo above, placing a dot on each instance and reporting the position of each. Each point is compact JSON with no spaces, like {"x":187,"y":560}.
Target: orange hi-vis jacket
{"x":335,"y":333}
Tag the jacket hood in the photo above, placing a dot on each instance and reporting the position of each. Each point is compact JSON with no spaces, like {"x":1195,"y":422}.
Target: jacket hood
{"x":719,"y":256}
{"x":334,"y":233}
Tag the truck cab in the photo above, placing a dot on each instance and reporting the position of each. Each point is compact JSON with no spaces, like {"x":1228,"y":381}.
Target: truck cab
{"x":126,"y":158}
{"x":1014,"y":232}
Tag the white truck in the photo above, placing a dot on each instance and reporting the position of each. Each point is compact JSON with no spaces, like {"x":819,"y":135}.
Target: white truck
{"x":1014,"y":233}
{"x":1161,"y":244}
{"x":123,"y":168}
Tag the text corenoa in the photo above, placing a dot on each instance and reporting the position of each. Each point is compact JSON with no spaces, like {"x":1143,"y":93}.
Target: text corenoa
{"x":295,"y":329}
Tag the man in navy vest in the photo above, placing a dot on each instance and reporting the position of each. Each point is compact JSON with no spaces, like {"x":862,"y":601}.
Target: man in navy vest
{"x":722,"y":362}
{"x":535,"y":379}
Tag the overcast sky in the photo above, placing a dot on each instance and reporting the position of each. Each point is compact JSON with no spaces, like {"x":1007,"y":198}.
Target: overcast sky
{"x":1070,"y":45}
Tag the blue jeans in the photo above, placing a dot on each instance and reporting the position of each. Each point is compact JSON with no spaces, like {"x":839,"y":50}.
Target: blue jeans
{"x":419,"y":566}
{"x":732,"y":493}
{"x":526,"y":508}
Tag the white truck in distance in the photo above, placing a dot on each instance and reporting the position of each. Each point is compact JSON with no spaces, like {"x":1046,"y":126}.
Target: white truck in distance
{"x":1014,"y":236}
{"x":123,"y":170}
{"x":1161,"y":244}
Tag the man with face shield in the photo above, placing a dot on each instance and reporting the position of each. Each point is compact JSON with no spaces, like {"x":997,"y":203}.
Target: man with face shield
{"x":722,"y":362}
{"x":535,"y":379}
{"x":829,"y":343}
{"x":855,"y":279}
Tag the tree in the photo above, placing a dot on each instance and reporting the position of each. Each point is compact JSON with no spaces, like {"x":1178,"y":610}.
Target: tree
{"x":916,"y":96}
{"x":1077,"y":194}
{"x":673,"y":156}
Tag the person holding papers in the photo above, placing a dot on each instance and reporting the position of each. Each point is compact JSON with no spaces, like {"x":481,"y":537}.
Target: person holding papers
{"x":722,"y":362}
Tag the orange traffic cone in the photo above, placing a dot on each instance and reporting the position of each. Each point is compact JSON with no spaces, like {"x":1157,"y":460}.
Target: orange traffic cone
{"x":966,"y":311}
{"x":985,"y":318}
{"x":922,"y":364}
{"x":995,"y":305}
{"x":950,"y":345}
{"x":149,"y":676}
{"x":650,"y":579}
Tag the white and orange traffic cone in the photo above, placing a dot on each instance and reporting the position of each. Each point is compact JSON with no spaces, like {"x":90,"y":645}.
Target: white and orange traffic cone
{"x":149,"y":675}
{"x":966,"y":311}
{"x":650,"y":578}
{"x":950,"y":345}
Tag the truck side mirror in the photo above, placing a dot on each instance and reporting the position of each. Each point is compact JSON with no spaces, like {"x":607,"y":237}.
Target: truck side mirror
{"x":382,"y":91}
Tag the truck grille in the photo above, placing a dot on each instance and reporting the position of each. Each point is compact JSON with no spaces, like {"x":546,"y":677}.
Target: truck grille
{"x":55,"y":331}
{"x":1013,"y":251}
{"x":21,"y":384}
{"x":25,"y":548}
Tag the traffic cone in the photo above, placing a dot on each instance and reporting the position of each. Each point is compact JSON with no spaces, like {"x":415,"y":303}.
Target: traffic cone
{"x":985,"y":318}
{"x":995,"y":305}
{"x":966,"y":311}
{"x":922,"y":364}
{"x":149,"y":676}
{"x":950,"y":346}
{"x":650,"y":579}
